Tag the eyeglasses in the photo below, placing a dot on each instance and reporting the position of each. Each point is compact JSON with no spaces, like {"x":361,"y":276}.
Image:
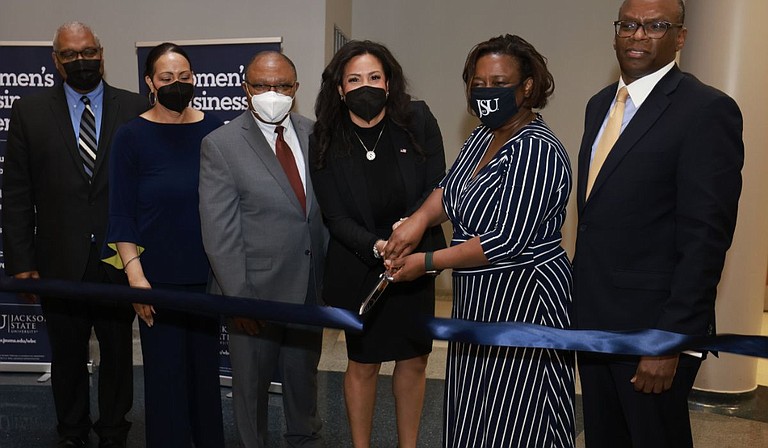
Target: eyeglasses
{"x":71,"y":55}
{"x":654,"y":30}
{"x":283,"y":89}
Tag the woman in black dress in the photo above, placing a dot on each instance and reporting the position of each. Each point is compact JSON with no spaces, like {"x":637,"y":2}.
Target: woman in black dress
{"x":375,"y":155}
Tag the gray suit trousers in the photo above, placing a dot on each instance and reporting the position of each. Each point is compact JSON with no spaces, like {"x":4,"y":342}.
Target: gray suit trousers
{"x":294,"y":352}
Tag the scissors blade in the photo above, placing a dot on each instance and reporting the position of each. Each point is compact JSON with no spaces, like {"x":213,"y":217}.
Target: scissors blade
{"x":375,"y":294}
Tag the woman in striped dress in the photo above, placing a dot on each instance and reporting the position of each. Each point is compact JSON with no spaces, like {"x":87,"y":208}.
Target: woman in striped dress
{"x":506,"y":196}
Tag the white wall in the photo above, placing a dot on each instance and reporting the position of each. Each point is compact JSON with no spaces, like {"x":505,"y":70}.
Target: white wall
{"x":119,"y":24}
{"x":338,"y":13}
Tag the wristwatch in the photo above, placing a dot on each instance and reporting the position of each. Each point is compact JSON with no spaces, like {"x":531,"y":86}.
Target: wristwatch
{"x":376,"y":253}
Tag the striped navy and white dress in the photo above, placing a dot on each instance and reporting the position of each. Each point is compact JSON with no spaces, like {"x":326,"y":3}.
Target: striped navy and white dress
{"x":499,"y":396}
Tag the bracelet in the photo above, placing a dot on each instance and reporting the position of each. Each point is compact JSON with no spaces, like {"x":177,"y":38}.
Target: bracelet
{"x":428,"y":267}
{"x":125,"y":266}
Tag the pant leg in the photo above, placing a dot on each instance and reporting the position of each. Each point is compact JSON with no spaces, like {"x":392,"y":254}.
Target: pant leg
{"x":203,"y":385}
{"x":659,"y":420}
{"x":69,"y":329}
{"x":604,"y":421}
{"x":113,"y":325}
{"x":299,"y":357}
{"x":112,"y":322}
{"x":165,"y":381}
{"x":253,"y":359}
{"x":640,"y":420}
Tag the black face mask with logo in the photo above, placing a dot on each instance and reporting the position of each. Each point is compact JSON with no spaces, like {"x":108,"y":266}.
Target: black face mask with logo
{"x":176,"y":96}
{"x":494,"y":105}
{"x":83,"y":74}
{"x":366,"y":102}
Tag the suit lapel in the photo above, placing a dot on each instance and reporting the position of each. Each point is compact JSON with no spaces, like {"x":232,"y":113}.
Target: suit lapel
{"x":591,"y":127}
{"x":60,"y":112}
{"x":303,"y":129}
{"x":110,"y":108}
{"x":405,"y":154}
{"x":255,"y":139}
{"x":645,"y":117}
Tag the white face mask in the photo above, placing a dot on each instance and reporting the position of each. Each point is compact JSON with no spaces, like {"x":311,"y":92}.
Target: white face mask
{"x":271,"y":107}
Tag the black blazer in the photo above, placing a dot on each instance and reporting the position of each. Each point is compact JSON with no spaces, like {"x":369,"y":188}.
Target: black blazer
{"x":45,"y":185}
{"x":653,"y":234}
{"x":350,"y":268}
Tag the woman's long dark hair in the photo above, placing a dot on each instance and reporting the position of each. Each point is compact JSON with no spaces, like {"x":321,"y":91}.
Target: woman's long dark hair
{"x":332,"y":113}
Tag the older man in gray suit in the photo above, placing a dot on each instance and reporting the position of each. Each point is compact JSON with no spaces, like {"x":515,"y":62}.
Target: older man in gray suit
{"x":265,"y":239}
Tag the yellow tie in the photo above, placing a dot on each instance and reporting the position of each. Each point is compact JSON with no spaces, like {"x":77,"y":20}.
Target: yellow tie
{"x":609,"y":137}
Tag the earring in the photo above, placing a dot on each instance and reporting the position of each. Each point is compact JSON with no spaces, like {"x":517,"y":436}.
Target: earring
{"x":152,"y":96}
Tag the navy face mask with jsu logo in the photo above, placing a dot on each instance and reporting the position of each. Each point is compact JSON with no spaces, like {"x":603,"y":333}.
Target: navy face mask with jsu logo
{"x":494,"y":106}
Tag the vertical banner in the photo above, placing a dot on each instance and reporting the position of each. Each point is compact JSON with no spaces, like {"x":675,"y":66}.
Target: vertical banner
{"x":219,"y":66}
{"x":25,"y":68}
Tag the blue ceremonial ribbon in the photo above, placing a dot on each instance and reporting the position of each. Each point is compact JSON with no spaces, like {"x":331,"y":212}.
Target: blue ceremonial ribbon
{"x":324,"y":316}
{"x":649,"y":342}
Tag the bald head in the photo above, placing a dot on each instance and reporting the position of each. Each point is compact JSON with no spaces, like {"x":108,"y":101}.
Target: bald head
{"x":679,"y":4}
{"x":270,"y":59}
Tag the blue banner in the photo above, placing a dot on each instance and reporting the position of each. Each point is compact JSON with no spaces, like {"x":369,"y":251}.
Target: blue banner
{"x":25,"y":68}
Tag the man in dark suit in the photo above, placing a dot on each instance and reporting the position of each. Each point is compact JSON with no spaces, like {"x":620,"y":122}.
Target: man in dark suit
{"x":55,"y":196}
{"x":657,"y":211}
{"x":264,"y":236}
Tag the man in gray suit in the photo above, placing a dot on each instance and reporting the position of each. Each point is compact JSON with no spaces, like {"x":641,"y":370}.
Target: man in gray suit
{"x":265,"y":239}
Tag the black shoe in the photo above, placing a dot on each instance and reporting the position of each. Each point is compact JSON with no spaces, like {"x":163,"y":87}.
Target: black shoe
{"x":111,"y":443}
{"x":71,"y":442}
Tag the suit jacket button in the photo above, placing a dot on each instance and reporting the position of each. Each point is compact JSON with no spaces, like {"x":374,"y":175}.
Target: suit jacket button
{"x":582,"y":227}
{"x":307,"y":252}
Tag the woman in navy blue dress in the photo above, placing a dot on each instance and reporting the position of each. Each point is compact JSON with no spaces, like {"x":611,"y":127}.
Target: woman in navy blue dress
{"x":505,"y":196}
{"x":154,"y":236}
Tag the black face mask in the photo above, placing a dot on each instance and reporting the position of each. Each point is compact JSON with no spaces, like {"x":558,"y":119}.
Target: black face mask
{"x":83,"y":74}
{"x":176,"y":96}
{"x":494,"y":106}
{"x":366,"y":102}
